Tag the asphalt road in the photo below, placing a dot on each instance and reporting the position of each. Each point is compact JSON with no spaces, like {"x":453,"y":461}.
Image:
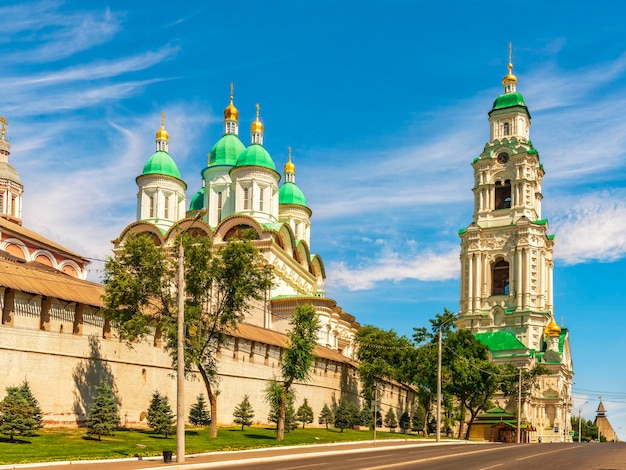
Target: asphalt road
{"x":399,"y":455}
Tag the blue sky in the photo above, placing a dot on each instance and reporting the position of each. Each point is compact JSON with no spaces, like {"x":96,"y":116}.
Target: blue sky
{"x":385,"y":105}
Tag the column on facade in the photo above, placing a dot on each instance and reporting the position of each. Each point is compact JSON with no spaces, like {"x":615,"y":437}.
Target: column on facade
{"x":518,"y":279}
{"x":550,"y":287}
{"x":470,"y":298}
{"x":541,"y":299}
{"x":477,"y":281}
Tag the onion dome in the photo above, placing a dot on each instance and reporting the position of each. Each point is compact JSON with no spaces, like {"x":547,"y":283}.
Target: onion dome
{"x":289,"y":166}
{"x":226,"y":151}
{"x":553,"y":329}
{"x":231,"y":113}
{"x":160,"y":163}
{"x":257,"y":125}
{"x":289,"y":193}
{"x":509,"y":78}
{"x":197,"y":202}
{"x":162,"y":134}
{"x":256,"y":155}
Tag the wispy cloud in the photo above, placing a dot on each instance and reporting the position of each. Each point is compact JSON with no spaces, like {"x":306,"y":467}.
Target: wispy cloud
{"x":49,"y":34}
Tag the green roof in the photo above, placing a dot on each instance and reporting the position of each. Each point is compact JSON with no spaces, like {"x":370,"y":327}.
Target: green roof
{"x":289,"y":193}
{"x":226,"y":151}
{"x":508,"y":100}
{"x":256,"y":155}
{"x":160,"y":163}
{"x":197,"y":201}
{"x":499,"y":341}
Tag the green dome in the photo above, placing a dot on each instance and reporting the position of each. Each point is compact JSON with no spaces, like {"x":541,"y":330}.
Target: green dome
{"x":197,"y":201}
{"x":160,"y":163}
{"x":289,"y":193}
{"x":256,"y":155}
{"x":226,"y":150}
{"x":508,"y":100}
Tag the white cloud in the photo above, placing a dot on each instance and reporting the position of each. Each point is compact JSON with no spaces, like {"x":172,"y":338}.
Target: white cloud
{"x":396,"y":267}
{"x":591,"y":227}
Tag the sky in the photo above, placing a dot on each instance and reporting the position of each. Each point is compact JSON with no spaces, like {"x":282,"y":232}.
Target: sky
{"x":385,"y":106}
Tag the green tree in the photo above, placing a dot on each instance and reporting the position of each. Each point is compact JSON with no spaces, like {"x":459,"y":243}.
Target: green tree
{"x":298,"y":359}
{"x":305,"y":413}
{"x":417,"y":419}
{"x":160,"y":416}
{"x":198,"y":414}
{"x":103,"y":415}
{"x":390,"y":420}
{"x":345,"y":416}
{"x":221,"y":284}
{"x":405,"y":421}
{"x":33,"y":402}
{"x":326,"y":416}
{"x":18,"y":416}
{"x":366,"y":417}
{"x":243,"y":412}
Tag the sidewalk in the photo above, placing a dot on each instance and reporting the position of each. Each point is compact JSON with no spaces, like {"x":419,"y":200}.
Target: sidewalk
{"x":213,"y":459}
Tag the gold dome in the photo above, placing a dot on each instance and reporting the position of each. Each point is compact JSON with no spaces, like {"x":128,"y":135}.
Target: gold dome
{"x":552,"y":329}
{"x":257,"y":125}
{"x":509,"y":78}
{"x":162,"y":134}
{"x":231,"y":113}
{"x":289,"y":166}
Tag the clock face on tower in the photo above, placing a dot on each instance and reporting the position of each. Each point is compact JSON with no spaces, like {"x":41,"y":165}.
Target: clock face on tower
{"x":503,"y":157}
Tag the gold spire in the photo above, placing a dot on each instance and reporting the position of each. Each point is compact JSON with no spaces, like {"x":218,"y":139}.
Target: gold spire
{"x":289,"y":166}
{"x":553,"y":329}
{"x":162,"y":133}
{"x":231,"y":113}
{"x":4,"y":122}
{"x":257,"y":125}
{"x":509,"y":78}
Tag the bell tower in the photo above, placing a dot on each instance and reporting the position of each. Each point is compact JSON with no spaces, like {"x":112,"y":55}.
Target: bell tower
{"x":506,"y":252}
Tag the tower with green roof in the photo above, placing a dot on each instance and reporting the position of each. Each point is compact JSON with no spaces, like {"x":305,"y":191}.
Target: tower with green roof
{"x":507,"y":259}
{"x":255,"y":179}
{"x":292,"y":207}
{"x":216,"y":194}
{"x":161,"y":198}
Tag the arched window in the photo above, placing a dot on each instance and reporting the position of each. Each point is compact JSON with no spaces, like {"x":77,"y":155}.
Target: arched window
{"x":220,"y":203}
{"x":503,"y":195}
{"x":507,"y":128}
{"x":500,"y":278}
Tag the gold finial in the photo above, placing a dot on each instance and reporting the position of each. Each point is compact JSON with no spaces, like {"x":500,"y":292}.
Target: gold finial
{"x":258,"y":108}
{"x":510,"y":57}
{"x":509,"y":79}
{"x":231,"y":113}
{"x":257,"y":125}
{"x":4,"y":122}
{"x":162,"y":134}
{"x":289,"y":166}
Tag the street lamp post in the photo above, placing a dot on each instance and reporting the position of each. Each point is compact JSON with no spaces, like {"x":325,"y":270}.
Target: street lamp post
{"x":580,"y":408}
{"x":180,"y":347}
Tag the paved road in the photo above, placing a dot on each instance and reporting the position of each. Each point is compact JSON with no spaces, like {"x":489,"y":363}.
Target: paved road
{"x":396,"y":456}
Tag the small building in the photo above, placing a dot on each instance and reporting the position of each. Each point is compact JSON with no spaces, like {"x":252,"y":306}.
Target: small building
{"x":498,"y":425}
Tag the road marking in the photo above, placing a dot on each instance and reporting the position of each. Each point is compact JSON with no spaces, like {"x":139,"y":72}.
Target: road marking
{"x":544,"y":453}
{"x":493,"y":466}
{"x":310,"y":465}
{"x":429,"y":459}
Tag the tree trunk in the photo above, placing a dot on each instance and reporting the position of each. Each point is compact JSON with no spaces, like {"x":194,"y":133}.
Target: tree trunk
{"x":281,"y":418}
{"x":212,"y":400}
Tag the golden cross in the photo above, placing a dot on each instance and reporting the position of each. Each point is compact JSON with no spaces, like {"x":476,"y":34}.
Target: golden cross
{"x":232,"y":90}
{"x":162,"y":119}
{"x":4,"y":122}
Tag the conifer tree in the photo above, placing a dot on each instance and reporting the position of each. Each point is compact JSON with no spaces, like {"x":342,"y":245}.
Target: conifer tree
{"x":34,"y":403}
{"x":17,"y":415}
{"x":305,"y":413}
{"x":198,"y":414}
{"x":243,"y":412}
{"x":326,"y":416}
{"x":390,"y":420}
{"x":405,"y":421}
{"x":103,"y":414}
{"x":160,"y":416}
{"x":344,"y":418}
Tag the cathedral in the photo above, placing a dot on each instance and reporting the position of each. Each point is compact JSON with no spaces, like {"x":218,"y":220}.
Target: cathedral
{"x":506,"y":285}
{"x":240,"y":190}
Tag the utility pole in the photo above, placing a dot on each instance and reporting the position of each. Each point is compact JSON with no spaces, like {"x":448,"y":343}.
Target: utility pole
{"x":180,"y":347}
{"x":438,"y":434}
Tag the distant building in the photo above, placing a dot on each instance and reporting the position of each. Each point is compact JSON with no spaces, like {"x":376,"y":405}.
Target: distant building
{"x":604,"y":426}
{"x":507,"y":262}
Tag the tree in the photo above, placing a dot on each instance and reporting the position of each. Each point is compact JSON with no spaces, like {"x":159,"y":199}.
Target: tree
{"x":345,"y":416}
{"x":160,"y":416}
{"x":417,"y":420}
{"x":103,"y":413}
{"x":326,"y":416}
{"x":366,"y":417}
{"x":27,"y":393}
{"x":390,"y":420}
{"x":405,"y":421}
{"x":18,"y":416}
{"x":198,"y":414}
{"x":244,"y":413}
{"x":305,"y":413}
{"x":298,"y":358}
{"x":221,"y":284}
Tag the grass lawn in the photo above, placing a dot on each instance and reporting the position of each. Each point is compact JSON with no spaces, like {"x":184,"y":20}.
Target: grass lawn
{"x":73,"y":444}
